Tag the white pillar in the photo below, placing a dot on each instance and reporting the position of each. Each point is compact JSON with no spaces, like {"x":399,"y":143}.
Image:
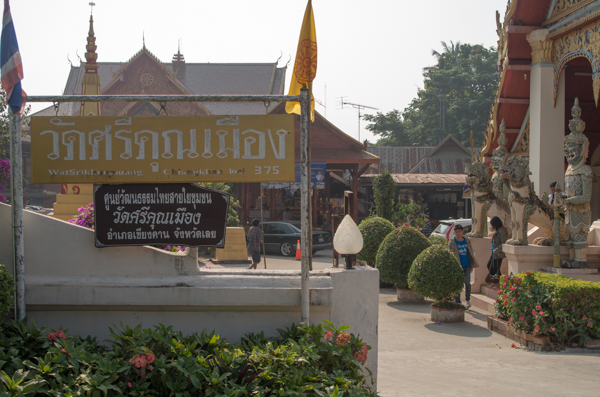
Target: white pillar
{"x":546,"y":122}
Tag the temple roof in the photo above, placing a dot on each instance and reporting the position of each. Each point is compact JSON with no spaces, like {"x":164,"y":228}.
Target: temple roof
{"x":448,"y":157}
{"x":522,"y":17}
{"x":197,"y":78}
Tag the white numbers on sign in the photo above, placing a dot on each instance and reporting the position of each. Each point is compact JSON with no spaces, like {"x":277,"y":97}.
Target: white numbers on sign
{"x":267,"y":170}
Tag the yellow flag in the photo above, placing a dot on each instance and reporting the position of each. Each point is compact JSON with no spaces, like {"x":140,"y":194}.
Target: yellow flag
{"x":305,"y":65}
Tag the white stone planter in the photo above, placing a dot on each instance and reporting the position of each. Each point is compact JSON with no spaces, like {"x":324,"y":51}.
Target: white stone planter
{"x":447,"y":315}
{"x":408,"y":295}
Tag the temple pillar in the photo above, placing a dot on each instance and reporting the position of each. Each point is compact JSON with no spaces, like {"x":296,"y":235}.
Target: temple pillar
{"x":547,"y":116}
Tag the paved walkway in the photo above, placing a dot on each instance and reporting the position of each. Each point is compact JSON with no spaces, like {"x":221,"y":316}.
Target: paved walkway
{"x":421,"y":358}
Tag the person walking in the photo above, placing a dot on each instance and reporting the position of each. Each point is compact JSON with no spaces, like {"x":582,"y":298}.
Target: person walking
{"x":286,"y":215}
{"x":428,"y":228}
{"x":499,"y":237}
{"x":255,"y":237}
{"x":461,"y":247}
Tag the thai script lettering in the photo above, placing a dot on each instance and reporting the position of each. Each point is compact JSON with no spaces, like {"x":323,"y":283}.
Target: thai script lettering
{"x":146,"y":144}
{"x":139,"y":234}
{"x":156,"y":197}
{"x":144,"y":216}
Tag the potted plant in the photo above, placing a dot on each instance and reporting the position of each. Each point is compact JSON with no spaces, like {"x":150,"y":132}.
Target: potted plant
{"x":374,"y":230}
{"x":436,"y":274}
{"x":395,"y":256}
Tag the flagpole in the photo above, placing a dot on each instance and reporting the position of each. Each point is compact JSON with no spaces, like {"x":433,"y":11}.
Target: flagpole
{"x":16,"y":191}
{"x":305,"y":213}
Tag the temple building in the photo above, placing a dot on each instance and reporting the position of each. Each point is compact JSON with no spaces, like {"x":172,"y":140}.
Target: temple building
{"x":548,"y":55}
{"x":431,"y":175}
{"x":145,"y":74}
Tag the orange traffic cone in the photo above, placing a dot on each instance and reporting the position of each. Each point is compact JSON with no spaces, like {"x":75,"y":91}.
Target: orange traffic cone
{"x":298,"y":255}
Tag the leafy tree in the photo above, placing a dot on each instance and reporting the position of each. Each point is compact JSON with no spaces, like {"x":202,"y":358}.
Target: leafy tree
{"x":384,"y":190}
{"x":232,"y":215}
{"x":461,"y":86}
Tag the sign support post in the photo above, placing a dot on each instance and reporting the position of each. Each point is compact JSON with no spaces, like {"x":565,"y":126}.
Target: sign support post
{"x":16,"y":191}
{"x":305,"y":214}
{"x":303,"y":98}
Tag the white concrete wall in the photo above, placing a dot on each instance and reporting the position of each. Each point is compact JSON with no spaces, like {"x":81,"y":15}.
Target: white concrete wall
{"x":72,"y":284}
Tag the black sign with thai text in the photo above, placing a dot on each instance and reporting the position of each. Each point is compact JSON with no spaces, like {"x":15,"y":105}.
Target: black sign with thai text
{"x":163,"y":214}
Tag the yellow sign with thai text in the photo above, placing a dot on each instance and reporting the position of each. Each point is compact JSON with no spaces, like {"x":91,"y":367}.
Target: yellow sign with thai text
{"x":162,"y":149}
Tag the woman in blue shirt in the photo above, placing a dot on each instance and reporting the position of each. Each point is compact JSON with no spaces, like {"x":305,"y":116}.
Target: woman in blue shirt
{"x":461,"y":247}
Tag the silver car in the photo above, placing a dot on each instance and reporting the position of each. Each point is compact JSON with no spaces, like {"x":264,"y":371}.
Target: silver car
{"x":445,"y":228}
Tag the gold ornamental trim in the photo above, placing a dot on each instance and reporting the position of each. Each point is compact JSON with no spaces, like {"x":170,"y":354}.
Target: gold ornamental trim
{"x":541,"y":51}
{"x":563,"y":8}
{"x":522,"y":148}
{"x":492,"y":130}
{"x":575,"y":25}
{"x":581,"y":43}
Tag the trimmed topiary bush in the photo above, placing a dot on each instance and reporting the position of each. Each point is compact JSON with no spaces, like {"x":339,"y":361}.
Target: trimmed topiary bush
{"x":7,"y":291}
{"x":438,"y":240}
{"x":397,"y":252}
{"x":374,"y":230}
{"x":436,"y":274}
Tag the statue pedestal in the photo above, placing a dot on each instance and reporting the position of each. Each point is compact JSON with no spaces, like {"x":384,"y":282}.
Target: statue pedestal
{"x":537,"y":258}
{"x":579,"y":274}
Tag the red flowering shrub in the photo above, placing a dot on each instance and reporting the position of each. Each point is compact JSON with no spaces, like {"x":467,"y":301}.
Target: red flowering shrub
{"x":564,"y":309}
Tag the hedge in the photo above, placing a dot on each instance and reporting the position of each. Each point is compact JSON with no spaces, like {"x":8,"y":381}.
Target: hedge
{"x":565,"y":309}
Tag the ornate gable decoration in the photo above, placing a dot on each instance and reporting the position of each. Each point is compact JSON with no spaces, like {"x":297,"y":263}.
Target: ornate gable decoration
{"x":144,"y":74}
{"x":583,"y":42}
{"x":565,"y":7}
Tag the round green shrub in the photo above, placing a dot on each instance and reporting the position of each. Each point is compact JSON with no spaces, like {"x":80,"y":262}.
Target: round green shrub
{"x":374,"y":230}
{"x":436,"y":274}
{"x":438,"y":240}
{"x":7,"y":291}
{"x":397,"y":252}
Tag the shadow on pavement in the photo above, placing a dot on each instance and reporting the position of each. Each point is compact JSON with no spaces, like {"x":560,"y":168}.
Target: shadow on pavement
{"x":465,"y":329}
{"x":413,"y":307}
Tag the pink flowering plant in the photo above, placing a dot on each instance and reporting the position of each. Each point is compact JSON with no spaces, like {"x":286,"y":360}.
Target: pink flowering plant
{"x":564,"y":309}
{"x":85,"y":217}
{"x":159,"y":361}
{"x":336,"y":345}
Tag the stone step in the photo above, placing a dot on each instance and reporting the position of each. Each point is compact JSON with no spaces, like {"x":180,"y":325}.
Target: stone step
{"x":578,"y":274}
{"x":490,"y":290}
{"x":483,"y":302}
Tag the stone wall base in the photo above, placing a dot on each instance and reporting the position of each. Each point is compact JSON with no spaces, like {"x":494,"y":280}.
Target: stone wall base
{"x":447,"y":315}
{"x":539,"y":343}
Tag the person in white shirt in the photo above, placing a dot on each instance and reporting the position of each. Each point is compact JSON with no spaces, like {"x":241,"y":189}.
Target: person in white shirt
{"x":286,"y":215}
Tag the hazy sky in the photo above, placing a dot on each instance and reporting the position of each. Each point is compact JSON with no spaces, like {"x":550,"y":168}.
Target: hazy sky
{"x":370,"y":52}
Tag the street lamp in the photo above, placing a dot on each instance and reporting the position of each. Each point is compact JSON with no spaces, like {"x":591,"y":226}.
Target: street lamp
{"x":348,"y":240}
